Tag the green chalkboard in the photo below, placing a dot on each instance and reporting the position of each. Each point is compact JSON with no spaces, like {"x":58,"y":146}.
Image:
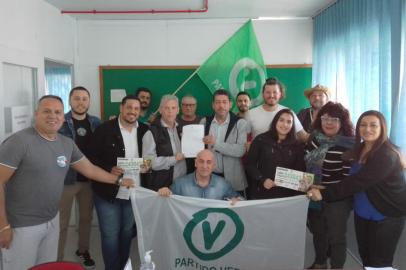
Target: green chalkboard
{"x":165,"y":80}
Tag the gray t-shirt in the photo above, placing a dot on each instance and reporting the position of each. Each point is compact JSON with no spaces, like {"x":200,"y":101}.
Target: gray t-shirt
{"x":34,"y":190}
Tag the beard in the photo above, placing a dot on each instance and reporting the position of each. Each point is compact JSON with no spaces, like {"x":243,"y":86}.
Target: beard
{"x":317,"y":105}
{"x":80,"y":113}
{"x":130,"y":120}
{"x":144,"y":106}
{"x":243,"y":109}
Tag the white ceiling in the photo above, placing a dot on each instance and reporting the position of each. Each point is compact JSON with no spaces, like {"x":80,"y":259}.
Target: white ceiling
{"x":216,"y":8}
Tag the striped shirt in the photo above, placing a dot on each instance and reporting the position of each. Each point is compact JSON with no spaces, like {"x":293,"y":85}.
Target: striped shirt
{"x":334,"y":168}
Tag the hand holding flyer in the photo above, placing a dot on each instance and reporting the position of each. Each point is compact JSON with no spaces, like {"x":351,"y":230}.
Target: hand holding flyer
{"x":293,"y":179}
{"x":131,"y":167}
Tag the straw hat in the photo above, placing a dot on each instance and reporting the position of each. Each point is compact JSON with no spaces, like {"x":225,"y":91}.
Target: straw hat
{"x":318,"y":87}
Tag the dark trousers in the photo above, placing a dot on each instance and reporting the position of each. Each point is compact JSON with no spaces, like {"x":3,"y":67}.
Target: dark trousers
{"x":329,"y":229}
{"x":317,"y":226}
{"x":377,"y":240}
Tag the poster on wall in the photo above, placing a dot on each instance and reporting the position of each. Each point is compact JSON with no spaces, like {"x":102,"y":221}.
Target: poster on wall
{"x":17,"y":118}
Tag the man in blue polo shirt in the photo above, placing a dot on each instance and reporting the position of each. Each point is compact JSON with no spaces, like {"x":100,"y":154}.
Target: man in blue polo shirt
{"x":202,"y":183}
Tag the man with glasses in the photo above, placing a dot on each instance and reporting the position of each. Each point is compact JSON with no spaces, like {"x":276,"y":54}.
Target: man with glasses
{"x":188,"y":117}
{"x":318,"y":96}
{"x":188,"y":108}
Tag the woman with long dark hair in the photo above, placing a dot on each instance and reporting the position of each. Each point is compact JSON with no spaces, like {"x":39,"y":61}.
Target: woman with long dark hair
{"x":332,"y":135}
{"x":276,"y":147}
{"x":377,"y":182}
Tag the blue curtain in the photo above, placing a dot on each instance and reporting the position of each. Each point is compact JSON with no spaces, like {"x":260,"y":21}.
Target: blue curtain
{"x":58,"y":80}
{"x":357,"y":53}
{"x":398,"y":131}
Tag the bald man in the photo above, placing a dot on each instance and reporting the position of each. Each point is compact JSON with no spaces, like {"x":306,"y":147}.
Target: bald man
{"x":202,"y":183}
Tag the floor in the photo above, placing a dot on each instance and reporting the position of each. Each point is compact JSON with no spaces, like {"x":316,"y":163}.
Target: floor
{"x":95,"y":251}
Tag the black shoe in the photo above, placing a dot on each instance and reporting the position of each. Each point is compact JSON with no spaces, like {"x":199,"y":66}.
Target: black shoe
{"x":85,"y":259}
{"x":318,"y":266}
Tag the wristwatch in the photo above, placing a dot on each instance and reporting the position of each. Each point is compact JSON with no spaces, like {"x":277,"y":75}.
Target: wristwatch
{"x":119,"y":180}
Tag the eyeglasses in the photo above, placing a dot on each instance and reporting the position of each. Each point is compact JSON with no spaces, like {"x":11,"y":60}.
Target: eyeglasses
{"x":188,"y":105}
{"x":327,"y":119}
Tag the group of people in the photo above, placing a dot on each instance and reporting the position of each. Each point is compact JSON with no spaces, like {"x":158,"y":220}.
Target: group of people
{"x":354,"y":169}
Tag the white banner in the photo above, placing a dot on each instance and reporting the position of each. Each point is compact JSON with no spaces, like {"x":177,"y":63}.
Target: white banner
{"x":189,"y":233}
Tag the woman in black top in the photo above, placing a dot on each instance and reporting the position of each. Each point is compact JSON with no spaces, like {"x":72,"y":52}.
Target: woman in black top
{"x":379,"y":189}
{"x":276,"y":147}
{"x":332,"y":135}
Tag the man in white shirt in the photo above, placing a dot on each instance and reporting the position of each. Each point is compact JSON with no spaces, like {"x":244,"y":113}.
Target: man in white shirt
{"x":117,"y":138}
{"x":260,"y":118}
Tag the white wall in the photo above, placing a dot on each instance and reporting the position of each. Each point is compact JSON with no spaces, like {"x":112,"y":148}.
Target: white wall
{"x":32,"y":30}
{"x":180,"y":42}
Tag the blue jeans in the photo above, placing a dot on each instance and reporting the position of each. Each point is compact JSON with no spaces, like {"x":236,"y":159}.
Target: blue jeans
{"x":117,"y":225}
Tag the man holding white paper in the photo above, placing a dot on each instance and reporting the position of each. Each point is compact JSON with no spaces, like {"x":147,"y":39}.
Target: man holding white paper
{"x":188,"y":117}
{"x":117,"y":148}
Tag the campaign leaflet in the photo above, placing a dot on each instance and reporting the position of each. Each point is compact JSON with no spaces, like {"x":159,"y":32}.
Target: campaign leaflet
{"x":293,"y":179}
{"x":131,"y":167}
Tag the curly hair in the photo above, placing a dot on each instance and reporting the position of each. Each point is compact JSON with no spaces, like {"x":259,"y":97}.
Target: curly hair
{"x":336,"y":110}
{"x":275,"y":81}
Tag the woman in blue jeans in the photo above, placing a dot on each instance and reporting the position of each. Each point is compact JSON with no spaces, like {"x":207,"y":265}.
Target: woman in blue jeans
{"x":379,"y":187}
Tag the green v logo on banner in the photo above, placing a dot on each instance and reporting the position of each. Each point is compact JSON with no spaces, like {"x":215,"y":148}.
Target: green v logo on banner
{"x":210,"y":237}
{"x":236,"y":66}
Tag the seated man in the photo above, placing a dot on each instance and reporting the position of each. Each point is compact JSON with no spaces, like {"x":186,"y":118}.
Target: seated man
{"x":202,"y":183}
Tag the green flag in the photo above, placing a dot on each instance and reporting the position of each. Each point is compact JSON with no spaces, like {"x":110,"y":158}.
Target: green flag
{"x":236,"y":66}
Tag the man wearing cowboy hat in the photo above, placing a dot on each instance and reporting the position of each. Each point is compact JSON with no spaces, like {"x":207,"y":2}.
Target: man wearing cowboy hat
{"x":318,"y":96}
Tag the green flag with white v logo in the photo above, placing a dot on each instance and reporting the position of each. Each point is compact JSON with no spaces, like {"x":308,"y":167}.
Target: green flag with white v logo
{"x":236,"y":66}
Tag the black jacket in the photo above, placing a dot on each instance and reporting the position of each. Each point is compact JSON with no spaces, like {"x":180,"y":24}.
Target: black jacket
{"x":106,"y":146}
{"x":383,"y":180}
{"x":264,"y":156}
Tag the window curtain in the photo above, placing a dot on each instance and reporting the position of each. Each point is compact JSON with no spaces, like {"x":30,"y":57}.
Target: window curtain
{"x":58,"y":82}
{"x":357,"y":53}
{"x":398,"y":131}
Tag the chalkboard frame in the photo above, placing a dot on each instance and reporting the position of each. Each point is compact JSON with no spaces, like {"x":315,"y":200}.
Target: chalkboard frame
{"x":194,"y":67}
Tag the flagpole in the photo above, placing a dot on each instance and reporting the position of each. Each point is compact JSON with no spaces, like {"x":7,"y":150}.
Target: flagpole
{"x":186,"y":81}
{"x":183,"y":84}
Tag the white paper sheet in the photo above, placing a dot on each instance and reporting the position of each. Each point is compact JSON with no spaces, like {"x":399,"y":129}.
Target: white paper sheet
{"x":116,"y":95}
{"x":192,"y":140}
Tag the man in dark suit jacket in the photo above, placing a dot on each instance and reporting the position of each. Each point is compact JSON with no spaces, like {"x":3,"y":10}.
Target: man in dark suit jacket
{"x":119,"y":137}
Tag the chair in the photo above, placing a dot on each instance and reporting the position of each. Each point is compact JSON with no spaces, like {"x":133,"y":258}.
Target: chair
{"x":58,"y":266}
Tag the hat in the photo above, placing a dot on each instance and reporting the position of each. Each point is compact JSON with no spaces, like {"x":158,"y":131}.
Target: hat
{"x":318,"y":87}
